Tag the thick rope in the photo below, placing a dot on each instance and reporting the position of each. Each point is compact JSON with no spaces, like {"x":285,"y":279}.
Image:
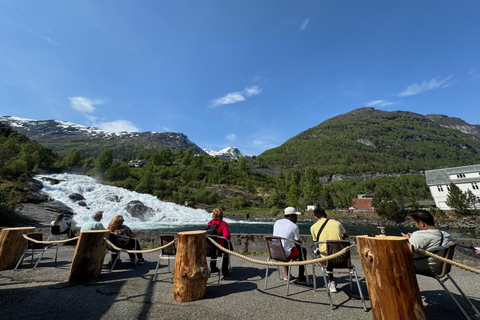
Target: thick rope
{"x":140,"y":251}
{"x":48,"y":242}
{"x":462,"y":266}
{"x":293,"y":263}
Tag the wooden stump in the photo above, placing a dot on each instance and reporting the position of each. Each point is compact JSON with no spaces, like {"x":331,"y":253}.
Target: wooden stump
{"x":12,"y":245}
{"x":89,"y":255}
{"x":390,"y":275}
{"x":191,"y":271}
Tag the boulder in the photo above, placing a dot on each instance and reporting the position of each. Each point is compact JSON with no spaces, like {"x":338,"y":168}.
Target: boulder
{"x":82,"y":203}
{"x":76,"y":197}
{"x":52,"y":180}
{"x":112,"y":197}
{"x":139,"y":210}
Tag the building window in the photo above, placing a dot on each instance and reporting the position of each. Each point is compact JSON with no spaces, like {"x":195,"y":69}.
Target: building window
{"x":461,"y":175}
{"x":448,"y":188}
{"x":440,"y":189}
{"x":475,"y":186}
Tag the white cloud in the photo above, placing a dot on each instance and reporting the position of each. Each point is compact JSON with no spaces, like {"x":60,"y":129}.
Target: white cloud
{"x":83,"y":105}
{"x":231,"y":137}
{"x":379,"y":103}
{"x":234,"y":97}
{"x":118,"y":126}
{"x":434,"y":83}
{"x":304,"y":24}
{"x":252,"y":91}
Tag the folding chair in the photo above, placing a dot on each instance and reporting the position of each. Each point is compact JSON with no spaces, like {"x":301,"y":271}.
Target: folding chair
{"x":444,"y":275}
{"x":37,"y":247}
{"x":218,"y":255}
{"x":276,"y":252}
{"x":116,"y":253}
{"x":341,"y":262}
{"x":168,"y":253}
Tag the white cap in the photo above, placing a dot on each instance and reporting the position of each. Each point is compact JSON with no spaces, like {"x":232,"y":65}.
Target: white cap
{"x":290,"y":210}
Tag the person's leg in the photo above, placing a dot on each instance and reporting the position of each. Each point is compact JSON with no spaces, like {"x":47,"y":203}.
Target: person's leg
{"x":225,"y":270}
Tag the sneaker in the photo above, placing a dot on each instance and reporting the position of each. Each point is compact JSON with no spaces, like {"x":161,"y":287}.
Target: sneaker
{"x":332,"y":287}
{"x":141,"y":261}
{"x":301,"y":281}
{"x":291,"y":278}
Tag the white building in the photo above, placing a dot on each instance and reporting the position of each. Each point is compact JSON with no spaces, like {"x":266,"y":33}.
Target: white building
{"x":466,"y":178}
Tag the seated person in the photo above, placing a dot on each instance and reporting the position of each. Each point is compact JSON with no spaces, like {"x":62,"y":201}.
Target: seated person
{"x":221,"y":230}
{"x":128,"y":240}
{"x":64,"y":226}
{"x":327,"y":229}
{"x":288,"y":229}
{"x":427,"y":237}
{"x":94,"y":223}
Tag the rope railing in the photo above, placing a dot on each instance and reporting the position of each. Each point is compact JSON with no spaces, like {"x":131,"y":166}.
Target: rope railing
{"x":48,"y":242}
{"x":462,"y":266}
{"x":139,"y":251}
{"x":293,"y":263}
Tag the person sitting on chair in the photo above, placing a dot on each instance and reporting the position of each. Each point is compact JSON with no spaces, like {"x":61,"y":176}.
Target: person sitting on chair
{"x":64,"y":226}
{"x":221,"y":230}
{"x":327,"y":229}
{"x":288,"y":229}
{"x":125,"y":237}
{"x":94,"y":223}
{"x":427,"y":237}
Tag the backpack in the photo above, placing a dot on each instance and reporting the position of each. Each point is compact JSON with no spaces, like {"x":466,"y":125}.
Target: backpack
{"x":211,"y":231}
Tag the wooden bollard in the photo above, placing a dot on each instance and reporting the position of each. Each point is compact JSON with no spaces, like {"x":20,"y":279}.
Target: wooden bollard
{"x":12,"y":245}
{"x":390,"y":275}
{"x":88,"y":259}
{"x":191,"y":272}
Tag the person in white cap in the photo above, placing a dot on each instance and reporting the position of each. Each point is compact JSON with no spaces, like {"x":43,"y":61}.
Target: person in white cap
{"x":287,"y":228}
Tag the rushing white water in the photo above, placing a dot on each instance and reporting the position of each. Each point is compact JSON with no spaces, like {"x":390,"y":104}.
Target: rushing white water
{"x":104,"y":197}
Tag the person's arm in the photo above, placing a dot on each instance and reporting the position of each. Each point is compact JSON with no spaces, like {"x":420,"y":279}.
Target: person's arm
{"x":226,"y":232}
{"x":344,"y":232}
{"x":128,"y":232}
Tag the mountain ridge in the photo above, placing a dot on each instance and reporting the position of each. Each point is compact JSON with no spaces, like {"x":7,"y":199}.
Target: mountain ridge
{"x":371,"y":140}
{"x":64,"y":136}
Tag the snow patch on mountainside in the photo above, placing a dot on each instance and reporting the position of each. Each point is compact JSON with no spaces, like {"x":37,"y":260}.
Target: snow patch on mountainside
{"x":230,"y":153}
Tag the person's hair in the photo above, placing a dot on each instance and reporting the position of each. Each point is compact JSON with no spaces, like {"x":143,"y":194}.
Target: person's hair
{"x":116,"y":222}
{"x":217,"y":214}
{"x":424,"y":216}
{"x":58,"y":218}
{"x":319,"y":213}
{"x":97,"y":214}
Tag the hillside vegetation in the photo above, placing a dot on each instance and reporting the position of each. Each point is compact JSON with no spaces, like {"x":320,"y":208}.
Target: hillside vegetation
{"x":369,"y":140}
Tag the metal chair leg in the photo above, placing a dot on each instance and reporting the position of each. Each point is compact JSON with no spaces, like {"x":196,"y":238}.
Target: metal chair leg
{"x":464,"y":295}
{"x":219,"y":269}
{"x":114,"y":262}
{"x":453,"y":298}
{"x":314,"y":278}
{"x":288,"y":277}
{"x":359,"y":288}
{"x":21,"y":259}
{"x":156,"y":269}
{"x":266,"y":274}
{"x":329,"y":294}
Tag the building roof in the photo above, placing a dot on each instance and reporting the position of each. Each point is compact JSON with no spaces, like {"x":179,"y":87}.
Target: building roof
{"x":442,"y":176}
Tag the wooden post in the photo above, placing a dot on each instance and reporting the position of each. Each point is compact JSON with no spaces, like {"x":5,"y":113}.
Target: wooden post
{"x":12,"y":245}
{"x":89,"y":255}
{"x":191,"y":272}
{"x":390,"y":275}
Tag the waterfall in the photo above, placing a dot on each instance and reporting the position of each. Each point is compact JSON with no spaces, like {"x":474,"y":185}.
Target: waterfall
{"x":113,"y":201}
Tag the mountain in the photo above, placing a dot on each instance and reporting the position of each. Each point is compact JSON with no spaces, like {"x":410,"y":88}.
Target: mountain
{"x":62,"y":137}
{"x":370,"y":140}
{"x":230,"y":153}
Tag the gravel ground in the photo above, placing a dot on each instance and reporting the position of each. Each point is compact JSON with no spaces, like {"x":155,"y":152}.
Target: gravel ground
{"x":130,"y":293}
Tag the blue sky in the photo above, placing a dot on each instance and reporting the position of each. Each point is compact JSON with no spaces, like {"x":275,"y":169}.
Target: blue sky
{"x":249,"y":74}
